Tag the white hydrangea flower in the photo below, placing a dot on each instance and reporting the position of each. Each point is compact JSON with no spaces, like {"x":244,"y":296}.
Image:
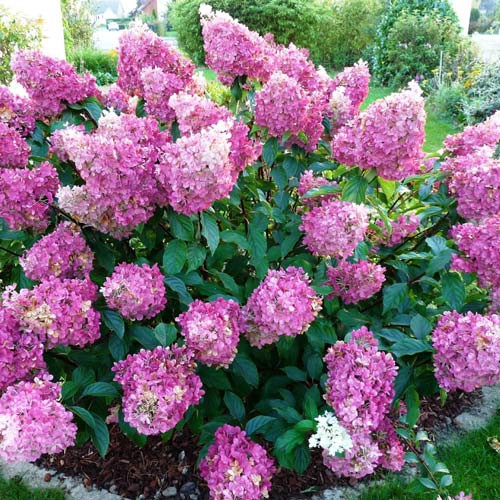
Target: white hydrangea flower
{"x":330,"y":435}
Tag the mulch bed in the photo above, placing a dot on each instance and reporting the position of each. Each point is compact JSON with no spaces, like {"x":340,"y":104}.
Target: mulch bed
{"x":132,"y":471}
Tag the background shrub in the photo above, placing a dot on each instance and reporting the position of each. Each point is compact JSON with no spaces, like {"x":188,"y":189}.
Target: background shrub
{"x":399,"y":44}
{"x":15,"y":33}
{"x":483,"y":95}
{"x":102,"y":64}
{"x":77,"y":23}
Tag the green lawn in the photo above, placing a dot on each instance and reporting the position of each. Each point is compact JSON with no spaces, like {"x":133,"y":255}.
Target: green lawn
{"x":472,"y":462}
{"x":436,"y":128}
{"x":14,"y":489}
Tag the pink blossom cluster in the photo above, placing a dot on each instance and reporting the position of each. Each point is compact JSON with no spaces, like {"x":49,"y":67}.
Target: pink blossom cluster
{"x":21,"y":354}
{"x":51,"y":83}
{"x":236,"y":467}
{"x":140,"y":48}
{"x":475,"y":181}
{"x":335,"y":228}
{"x":25,"y":196}
{"x":212,"y":330}
{"x":460,"y":496}
{"x":58,"y":311}
{"x":158,"y":387}
{"x":197,"y":169}
{"x":136,"y":292}
{"x":117,"y":163}
{"x":387,"y":136}
{"x":33,"y":421}
{"x":401,"y":228}
{"x":63,"y":253}
{"x":355,"y":282}
{"x":355,"y":80}
{"x":474,"y":137}
{"x":480,"y":247}
{"x":231,"y":49}
{"x":340,"y":109}
{"x":282,"y":105}
{"x":309,"y":181}
{"x":194,"y":113}
{"x":14,"y":150}
{"x":360,"y":389}
{"x":116,"y":98}
{"x":467,"y":350}
{"x":16,"y":111}
{"x":283,"y":304}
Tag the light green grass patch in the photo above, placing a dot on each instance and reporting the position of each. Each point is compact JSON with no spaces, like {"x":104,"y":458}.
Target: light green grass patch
{"x":14,"y":489}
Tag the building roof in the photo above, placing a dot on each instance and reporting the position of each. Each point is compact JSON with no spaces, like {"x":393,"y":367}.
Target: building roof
{"x":114,"y":5}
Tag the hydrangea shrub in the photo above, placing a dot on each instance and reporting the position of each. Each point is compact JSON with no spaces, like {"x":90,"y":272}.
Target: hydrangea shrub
{"x":272,"y":277}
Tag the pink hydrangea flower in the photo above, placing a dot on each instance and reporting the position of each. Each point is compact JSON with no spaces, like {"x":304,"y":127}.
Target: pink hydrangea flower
{"x":231,"y":49}
{"x":360,"y":381}
{"x":197,"y":169}
{"x":281,"y":105}
{"x":194,"y":113}
{"x":355,"y":282}
{"x":475,"y":181}
{"x":474,"y":137}
{"x":158,"y":387}
{"x":283,"y":304}
{"x":58,"y":311}
{"x":14,"y":150}
{"x":117,"y":163}
{"x":388,"y":136}
{"x":16,"y":111}
{"x":355,"y":80}
{"x":51,"y":83}
{"x":335,"y":228}
{"x":62,"y":253}
{"x":140,"y":48}
{"x":480,"y":247}
{"x":136,"y":292}
{"x":309,"y":181}
{"x":116,"y":98}
{"x":340,"y":109}
{"x":21,"y":354}
{"x":25,"y":196}
{"x":33,"y":421}
{"x":460,"y":496}
{"x":212,"y":330}
{"x":467,"y":350}
{"x":236,"y":467}
{"x":404,"y":226}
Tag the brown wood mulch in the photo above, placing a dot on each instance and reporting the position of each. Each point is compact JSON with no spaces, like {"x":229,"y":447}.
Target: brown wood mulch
{"x":131,"y":471}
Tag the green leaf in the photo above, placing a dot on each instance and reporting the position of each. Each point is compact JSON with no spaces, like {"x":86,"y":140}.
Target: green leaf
{"x":295,"y":374}
{"x":427,"y":483}
{"x":314,"y":365}
{"x":145,"y":336}
{"x":355,"y":189}
{"x":270,"y":150}
{"x":114,"y":322}
{"x":181,"y":226}
{"x":394,"y":295}
{"x":174,"y":256}
{"x":420,"y":326}
{"x":446,"y":481}
{"x":305,"y":426}
{"x":302,"y":458}
{"x":196,"y":255}
{"x":310,"y":407}
{"x":388,"y":187}
{"x":409,"y":347}
{"x":93,"y":109}
{"x":84,"y":414}
{"x":246,"y":369}
{"x":437,"y":244}
{"x":177,"y":285}
{"x":234,"y":405}
{"x":291,"y":415}
{"x":100,"y":389}
{"x":258,"y":424}
{"x":453,"y":290}
{"x":117,"y":347}
{"x":235,"y":237}
{"x":100,"y":435}
{"x":439,"y":262}
{"x":68,"y":390}
{"x":165,"y":334}
{"x":83,"y":376}
{"x":289,"y":440}
{"x":212,"y":377}
{"x":321,"y":191}
{"x":413,"y":406}
{"x":210,"y":230}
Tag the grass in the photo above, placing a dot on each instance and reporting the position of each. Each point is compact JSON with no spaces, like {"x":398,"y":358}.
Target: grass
{"x":14,"y":489}
{"x":436,"y":128}
{"x":472,"y":462}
